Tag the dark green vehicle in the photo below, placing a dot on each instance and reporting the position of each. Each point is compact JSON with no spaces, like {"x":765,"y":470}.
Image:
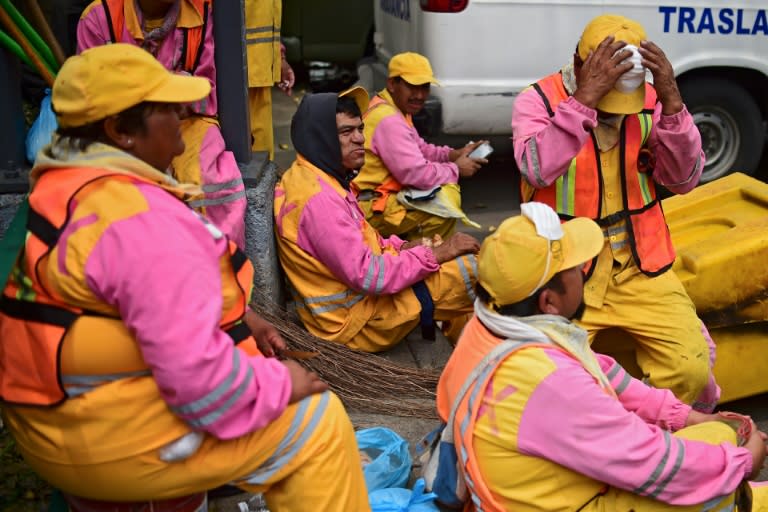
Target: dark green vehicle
{"x":324,"y":40}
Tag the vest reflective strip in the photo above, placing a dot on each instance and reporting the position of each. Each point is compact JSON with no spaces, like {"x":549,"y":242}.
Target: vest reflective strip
{"x":565,"y":190}
{"x":76,"y":385}
{"x":646,"y":121}
{"x":316,"y":307}
{"x":465,"y":274}
{"x":234,"y":196}
{"x":288,"y":448}
{"x":653,"y":479}
{"x":645,"y":186}
{"x":377,"y":262}
{"x":203,"y":403}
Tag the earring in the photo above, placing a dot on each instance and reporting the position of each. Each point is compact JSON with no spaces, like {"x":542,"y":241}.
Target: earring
{"x":129,"y":143}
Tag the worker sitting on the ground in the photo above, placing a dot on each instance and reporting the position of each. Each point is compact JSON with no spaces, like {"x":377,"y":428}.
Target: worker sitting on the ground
{"x":402,"y":172}
{"x":165,"y":29}
{"x":351,"y":285}
{"x":126,"y":370}
{"x":547,"y":424}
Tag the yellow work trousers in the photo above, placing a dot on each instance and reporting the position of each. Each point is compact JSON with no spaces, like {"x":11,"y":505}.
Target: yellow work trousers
{"x":307,"y":459}
{"x":407,"y":223}
{"x":452,"y":291}
{"x":260,"y":111}
{"x":616,"y":500}
{"x":657,"y":313}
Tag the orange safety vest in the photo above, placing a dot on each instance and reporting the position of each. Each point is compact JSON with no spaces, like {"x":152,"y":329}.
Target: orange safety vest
{"x":192,"y":47}
{"x":578,"y":192}
{"x":45,"y":338}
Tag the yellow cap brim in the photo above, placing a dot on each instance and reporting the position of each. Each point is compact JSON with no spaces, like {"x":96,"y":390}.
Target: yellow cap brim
{"x":616,"y":102}
{"x":419,"y":79}
{"x":360,"y":95}
{"x":180,"y":89}
{"x":583,"y":241}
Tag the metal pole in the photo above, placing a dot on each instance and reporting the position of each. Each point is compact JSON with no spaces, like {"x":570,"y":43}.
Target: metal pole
{"x":232,"y":77}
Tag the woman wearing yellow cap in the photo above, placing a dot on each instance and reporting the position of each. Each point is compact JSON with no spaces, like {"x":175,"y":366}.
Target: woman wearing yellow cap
{"x":129,"y":366}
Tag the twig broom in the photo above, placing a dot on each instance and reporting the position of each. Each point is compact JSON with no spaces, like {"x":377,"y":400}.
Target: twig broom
{"x":363,"y":381}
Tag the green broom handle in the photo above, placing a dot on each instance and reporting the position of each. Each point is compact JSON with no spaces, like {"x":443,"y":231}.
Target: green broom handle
{"x":14,"y":47}
{"x":34,"y":38}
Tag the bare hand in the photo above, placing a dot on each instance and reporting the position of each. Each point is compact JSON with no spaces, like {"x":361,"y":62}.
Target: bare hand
{"x":467,"y":166}
{"x":663,"y":77}
{"x":287,"y":77}
{"x":303,"y":382}
{"x":268,"y":340}
{"x":456,"y":245}
{"x":756,"y":446}
{"x":601,"y":70}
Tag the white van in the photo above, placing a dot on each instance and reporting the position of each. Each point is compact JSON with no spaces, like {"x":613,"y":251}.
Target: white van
{"x":484,"y":52}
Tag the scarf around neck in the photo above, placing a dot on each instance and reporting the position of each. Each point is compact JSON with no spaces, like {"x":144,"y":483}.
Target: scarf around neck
{"x":552,"y":330}
{"x":152,"y":38}
{"x":61,"y":153}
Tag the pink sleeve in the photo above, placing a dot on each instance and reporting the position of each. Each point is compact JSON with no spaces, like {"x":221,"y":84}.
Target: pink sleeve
{"x":330,"y":229}
{"x":432,"y":152}
{"x":399,"y":147}
{"x":676,"y":144}
{"x":206,"y":68}
{"x":160,"y":269}
{"x":544,"y":146}
{"x":92,"y":29}
{"x":657,"y":406}
{"x":392,"y":241}
{"x":568,"y":419}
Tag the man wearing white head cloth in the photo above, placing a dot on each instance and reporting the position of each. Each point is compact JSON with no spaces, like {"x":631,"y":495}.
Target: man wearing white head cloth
{"x":593,"y":140}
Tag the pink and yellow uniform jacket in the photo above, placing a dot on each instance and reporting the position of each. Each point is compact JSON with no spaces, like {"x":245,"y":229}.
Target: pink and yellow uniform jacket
{"x":340,"y":269}
{"x":206,"y":160}
{"x":546,"y":436}
{"x":396,"y":157}
{"x":137,"y":255}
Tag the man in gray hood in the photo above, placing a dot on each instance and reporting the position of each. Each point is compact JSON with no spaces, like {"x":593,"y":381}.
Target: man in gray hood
{"x":350,"y":285}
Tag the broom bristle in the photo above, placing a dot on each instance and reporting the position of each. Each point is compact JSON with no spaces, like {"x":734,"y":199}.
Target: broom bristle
{"x":365,"y":382}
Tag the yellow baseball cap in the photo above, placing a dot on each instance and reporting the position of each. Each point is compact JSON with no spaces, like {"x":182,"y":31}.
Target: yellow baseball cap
{"x":413,"y":68}
{"x":360,"y":95}
{"x":622,"y":29}
{"x":105,"y":80}
{"x":515,"y":260}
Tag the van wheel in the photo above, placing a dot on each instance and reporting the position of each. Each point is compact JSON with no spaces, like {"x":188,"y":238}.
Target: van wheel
{"x":728,"y":118}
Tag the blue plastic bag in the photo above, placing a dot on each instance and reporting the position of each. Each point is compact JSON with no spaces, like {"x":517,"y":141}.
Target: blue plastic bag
{"x":41,"y":131}
{"x":390,"y":460}
{"x":403,"y":500}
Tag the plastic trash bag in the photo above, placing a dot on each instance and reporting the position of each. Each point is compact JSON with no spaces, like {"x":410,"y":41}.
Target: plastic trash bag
{"x":403,"y":500}
{"x":41,"y":131}
{"x":385,"y":457}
